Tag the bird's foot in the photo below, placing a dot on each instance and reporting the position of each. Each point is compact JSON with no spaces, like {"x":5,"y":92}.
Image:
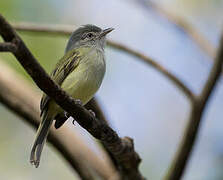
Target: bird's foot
{"x":92,"y":112}
{"x":73,"y":122}
{"x":66,"y":114}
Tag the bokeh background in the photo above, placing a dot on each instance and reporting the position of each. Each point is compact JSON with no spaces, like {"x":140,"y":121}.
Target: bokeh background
{"x":137,"y":100}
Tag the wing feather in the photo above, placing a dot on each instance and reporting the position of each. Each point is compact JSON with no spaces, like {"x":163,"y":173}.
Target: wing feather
{"x":63,"y":68}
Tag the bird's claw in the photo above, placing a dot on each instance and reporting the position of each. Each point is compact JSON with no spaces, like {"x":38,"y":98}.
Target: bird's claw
{"x":66,"y":114}
{"x":92,"y":112}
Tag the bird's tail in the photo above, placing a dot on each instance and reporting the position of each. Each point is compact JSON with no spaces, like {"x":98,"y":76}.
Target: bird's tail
{"x":40,"y":140}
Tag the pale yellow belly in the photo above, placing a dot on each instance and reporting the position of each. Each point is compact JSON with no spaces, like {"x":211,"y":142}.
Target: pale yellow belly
{"x":82,"y":85}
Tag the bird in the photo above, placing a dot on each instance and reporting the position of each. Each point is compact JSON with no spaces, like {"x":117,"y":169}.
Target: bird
{"x":80,"y":73}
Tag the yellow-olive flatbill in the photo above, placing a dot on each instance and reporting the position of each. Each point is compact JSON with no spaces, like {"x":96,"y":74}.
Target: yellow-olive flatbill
{"x":79,"y":72}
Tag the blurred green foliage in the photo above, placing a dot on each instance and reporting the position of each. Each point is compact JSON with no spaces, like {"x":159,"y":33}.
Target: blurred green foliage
{"x":46,"y":49}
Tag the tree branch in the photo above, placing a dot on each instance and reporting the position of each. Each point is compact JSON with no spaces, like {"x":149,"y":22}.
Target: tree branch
{"x":195,"y":35}
{"x":179,"y":84}
{"x":198,"y":107}
{"x":121,"y":149}
{"x":214,"y":75}
{"x":94,"y":106}
{"x":7,"y":47}
{"x":67,"y":30}
{"x":23,"y":101}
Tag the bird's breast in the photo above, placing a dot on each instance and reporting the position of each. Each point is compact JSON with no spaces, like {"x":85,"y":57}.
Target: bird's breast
{"x":87,"y":77}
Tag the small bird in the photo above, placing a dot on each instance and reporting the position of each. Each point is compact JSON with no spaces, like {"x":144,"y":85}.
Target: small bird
{"x":80,"y":73}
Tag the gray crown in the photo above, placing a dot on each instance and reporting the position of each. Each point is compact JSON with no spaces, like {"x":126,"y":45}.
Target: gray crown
{"x":77,"y":35}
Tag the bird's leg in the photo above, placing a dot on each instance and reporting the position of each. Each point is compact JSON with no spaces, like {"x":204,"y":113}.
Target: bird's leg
{"x":67,"y":116}
{"x":78,"y":102}
{"x":73,"y":122}
{"x":61,"y":119}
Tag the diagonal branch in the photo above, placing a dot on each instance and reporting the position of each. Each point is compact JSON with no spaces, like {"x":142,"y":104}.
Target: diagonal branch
{"x":191,"y":132}
{"x":7,"y":47}
{"x":67,"y":30}
{"x":188,"y":29}
{"x":23,"y":101}
{"x":121,"y":149}
{"x":179,"y":84}
{"x":94,"y":106}
{"x":214,"y":75}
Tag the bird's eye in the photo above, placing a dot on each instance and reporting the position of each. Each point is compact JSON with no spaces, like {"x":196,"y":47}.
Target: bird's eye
{"x":89,"y":35}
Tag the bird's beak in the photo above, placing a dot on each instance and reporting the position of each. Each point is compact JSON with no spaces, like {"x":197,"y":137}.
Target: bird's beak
{"x":106,"y":31}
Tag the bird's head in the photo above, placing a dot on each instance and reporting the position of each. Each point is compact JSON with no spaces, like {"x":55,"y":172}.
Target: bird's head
{"x":88,"y":35}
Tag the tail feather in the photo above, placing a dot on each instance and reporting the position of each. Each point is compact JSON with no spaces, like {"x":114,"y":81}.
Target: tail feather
{"x":40,"y":140}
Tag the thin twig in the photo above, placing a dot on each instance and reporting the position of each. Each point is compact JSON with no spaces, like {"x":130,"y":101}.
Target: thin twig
{"x":180,"y":161}
{"x":182,"y":24}
{"x":157,"y":66}
{"x":214,"y":75}
{"x":44,"y":28}
{"x":121,"y":149}
{"x":67,"y":30}
{"x":23,"y":101}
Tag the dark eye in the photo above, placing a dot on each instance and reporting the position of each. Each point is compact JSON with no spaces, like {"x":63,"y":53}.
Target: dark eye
{"x":89,"y":35}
